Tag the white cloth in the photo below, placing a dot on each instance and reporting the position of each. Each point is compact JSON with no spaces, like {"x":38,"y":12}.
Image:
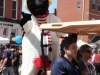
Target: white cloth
{"x":31,"y":44}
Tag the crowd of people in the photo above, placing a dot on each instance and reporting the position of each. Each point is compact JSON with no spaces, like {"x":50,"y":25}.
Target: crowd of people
{"x":10,"y":60}
{"x":73,"y":60}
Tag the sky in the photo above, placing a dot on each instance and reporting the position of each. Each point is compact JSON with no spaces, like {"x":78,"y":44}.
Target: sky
{"x":51,"y":7}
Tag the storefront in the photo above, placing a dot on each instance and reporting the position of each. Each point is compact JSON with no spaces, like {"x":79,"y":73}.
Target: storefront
{"x":9,"y":29}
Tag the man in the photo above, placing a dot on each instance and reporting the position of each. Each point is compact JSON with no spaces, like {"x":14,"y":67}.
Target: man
{"x":97,"y":61}
{"x":16,"y":61}
{"x":66,"y":65}
{"x":6,"y":67}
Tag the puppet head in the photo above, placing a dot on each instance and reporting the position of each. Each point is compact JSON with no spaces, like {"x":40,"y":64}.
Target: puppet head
{"x":37,"y":7}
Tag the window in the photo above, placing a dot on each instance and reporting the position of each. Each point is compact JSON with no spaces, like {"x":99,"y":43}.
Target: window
{"x":93,"y":19}
{"x":78,"y":5}
{"x":99,"y":5}
{"x":1,"y":8}
{"x":13,"y":33}
{"x":14,"y":9}
{"x":93,"y":4}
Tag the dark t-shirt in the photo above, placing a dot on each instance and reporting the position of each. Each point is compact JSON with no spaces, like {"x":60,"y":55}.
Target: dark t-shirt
{"x":17,"y":55}
{"x":8,"y":54}
{"x":63,"y":67}
{"x":82,"y":66}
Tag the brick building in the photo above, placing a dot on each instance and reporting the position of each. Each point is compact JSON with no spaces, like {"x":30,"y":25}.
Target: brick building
{"x":79,"y":10}
{"x":10,"y":14}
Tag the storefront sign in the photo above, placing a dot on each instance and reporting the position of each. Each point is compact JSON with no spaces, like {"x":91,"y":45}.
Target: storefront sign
{"x":6,"y":24}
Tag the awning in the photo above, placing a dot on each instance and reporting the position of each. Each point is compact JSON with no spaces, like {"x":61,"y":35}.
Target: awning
{"x":78,"y":27}
{"x":4,"y":40}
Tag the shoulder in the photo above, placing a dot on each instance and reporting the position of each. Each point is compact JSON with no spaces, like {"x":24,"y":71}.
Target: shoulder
{"x":7,"y":51}
{"x":54,"y":18}
{"x":80,"y":62}
{"x":82,"y":66}
{"x":16,"y":53}
{"x":58,"y":65}
{"x":59,"y":61}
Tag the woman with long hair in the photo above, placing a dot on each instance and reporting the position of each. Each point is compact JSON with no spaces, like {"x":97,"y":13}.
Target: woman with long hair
{"x":83,"y":55}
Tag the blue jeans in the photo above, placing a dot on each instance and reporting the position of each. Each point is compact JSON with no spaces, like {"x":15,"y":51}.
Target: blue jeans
{"x":16,"y":70}
{"x":6,"y":70}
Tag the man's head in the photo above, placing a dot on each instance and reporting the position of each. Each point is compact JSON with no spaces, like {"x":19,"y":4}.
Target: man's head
{"x":17,"y":49}
{"x":69,"y":47}
{"x":7,"y":46}
{"x":98,"y":50}
{"x":37,"y":7}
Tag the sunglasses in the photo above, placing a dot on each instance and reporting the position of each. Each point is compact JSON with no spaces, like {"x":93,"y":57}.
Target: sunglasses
{"x":88,"y":51}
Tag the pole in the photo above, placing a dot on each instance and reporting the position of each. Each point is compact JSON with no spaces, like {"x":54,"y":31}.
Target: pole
{"x":42,"y":49}
{"x":83,"y":16}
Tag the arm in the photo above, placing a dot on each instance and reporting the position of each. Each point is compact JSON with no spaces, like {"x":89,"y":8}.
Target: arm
{"x":4,"y":62}
{"x":5,"y":59}
{"x":26,"y":17}
{"x":13,"y":60}
{"x":25,"y":22}
{"x":1,"y":62}
{"x":14,"y":57}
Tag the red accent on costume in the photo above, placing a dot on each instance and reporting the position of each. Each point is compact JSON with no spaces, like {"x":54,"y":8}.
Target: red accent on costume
{"x":38,"y":62}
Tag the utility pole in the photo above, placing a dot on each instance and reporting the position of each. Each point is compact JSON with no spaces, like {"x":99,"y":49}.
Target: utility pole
{"x":83,"y":15}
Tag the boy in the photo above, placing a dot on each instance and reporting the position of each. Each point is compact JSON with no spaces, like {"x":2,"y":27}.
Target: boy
{"x":66,"y":65}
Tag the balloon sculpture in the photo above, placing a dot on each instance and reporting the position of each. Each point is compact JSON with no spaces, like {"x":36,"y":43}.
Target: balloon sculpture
{"x":32,"y":63}
{"x":17,"y":39}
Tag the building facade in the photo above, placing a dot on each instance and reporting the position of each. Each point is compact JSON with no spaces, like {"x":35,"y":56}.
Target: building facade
{"x":79,"y":10}
{"x":10,"y":14}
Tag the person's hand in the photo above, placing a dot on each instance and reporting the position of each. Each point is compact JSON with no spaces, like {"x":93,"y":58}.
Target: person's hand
{"x":26,"y":17}
{"x":1,"y":68}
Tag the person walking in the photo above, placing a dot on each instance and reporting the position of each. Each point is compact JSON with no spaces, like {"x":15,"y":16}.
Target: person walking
{"x":16,"y":61}
{"x":97,"y":62}
{"x":6,"y":66}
